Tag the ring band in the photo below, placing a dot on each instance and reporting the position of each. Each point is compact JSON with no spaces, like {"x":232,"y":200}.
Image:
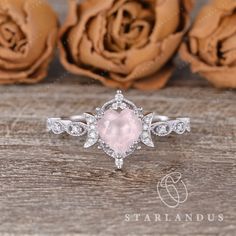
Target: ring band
{"x":119,"y":127}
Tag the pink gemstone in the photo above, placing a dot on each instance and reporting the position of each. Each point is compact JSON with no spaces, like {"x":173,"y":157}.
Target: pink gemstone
{"x":119,"y":129}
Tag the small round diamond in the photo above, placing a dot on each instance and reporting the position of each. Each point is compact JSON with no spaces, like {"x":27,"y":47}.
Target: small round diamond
{"x":147,"y":119}
{"x":99,"y":112}
{"x":145,"y":127}
{"x":75,"y":129}
{"x":92,"y":134}
{"x":92,"y":127}
{"x":119,"y":163}
{"x":114,"y":106}
{"x":119,"y":97}
{"x":90,"y":142}
{"x":91,"y":119}
{"x":146,"y":140}
{"x":145,"y":135}
{"x":162,"y":129}
{"x":57,"y":128}
{"x":180,"y":127}
{"x":123,"y":106}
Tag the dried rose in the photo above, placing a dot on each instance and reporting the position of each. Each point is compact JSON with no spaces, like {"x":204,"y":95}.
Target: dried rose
{"x":211,"y":46}
{"x":124,"y":43}
{"x":28,"y":35}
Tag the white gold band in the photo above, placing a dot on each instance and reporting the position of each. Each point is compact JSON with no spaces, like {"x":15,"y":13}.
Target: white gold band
{"x":77,"y":125}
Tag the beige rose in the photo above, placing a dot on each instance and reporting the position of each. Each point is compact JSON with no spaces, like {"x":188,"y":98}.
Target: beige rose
{"x":124,"y":43}
{"x":211,"y":45}
{"x":28,"y":35}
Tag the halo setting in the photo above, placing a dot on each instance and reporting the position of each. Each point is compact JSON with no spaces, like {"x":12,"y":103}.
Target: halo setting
{"x":121,"y":127}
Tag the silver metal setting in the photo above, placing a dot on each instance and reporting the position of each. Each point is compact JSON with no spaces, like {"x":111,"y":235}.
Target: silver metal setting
{"x":86,"y":124}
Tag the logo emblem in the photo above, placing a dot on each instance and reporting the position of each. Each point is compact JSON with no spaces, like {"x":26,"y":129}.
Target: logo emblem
{"x":172,"y":190}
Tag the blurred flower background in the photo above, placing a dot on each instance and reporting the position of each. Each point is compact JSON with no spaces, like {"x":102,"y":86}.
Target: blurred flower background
{"x":121,"y":43}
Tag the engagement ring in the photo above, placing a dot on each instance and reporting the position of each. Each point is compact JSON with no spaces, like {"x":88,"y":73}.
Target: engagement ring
{"x":119,"y":127}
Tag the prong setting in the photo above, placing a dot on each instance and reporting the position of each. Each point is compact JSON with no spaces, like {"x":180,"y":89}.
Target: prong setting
{"x":120,"y":103}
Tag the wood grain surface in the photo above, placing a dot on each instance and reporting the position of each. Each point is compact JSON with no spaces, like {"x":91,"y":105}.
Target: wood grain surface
{"x":50,"y":185}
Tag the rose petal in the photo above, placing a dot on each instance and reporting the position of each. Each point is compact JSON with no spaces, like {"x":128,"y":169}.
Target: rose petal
{"x":90,"y":57}
{"x":211,"y":49}
{"x":166,"y":23}
{"x":116,"y":43}
{"x":221,"y":77}
{"x":156,"y":81}
{"x":31,"y":29}
{"x":226,"y":5}
{"x":36,"y":71}
{"x":149,"y":67}
{"x":87,"y":9}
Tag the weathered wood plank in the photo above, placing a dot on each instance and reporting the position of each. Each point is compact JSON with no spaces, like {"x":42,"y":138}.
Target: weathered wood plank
{"x":52,"y":185}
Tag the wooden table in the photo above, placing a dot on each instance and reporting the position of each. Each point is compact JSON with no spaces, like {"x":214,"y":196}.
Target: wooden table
{"x":52,"y":186}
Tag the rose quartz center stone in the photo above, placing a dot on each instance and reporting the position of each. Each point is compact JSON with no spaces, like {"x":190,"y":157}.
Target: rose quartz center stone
{"x":119,"y":129}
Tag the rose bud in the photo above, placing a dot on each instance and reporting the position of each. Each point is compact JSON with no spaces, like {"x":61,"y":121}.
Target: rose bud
{"x":211,"y":45}
{"x":124,"y":43}
{"x":28,"y":35}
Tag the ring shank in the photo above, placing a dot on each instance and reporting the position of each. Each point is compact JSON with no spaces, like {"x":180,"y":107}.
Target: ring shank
{"x":81,"y":118}
{"x":78,"y":118}
{"x":160,"y":125}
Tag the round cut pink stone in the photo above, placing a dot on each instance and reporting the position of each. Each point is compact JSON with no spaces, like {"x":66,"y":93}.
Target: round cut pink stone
{"x":119,"y":130}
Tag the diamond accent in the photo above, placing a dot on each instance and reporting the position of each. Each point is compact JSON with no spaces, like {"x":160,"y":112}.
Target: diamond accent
{"x":76,"y":129}
{"x":119,"y":163}
{"x":162,"y":129}
{"x":119,"y":96}
{"x":123,"y":106}
{"x":57,"y":127}
{"x":92,"y":137}
{"x":110,"y":152}
{"x":180,"y":127}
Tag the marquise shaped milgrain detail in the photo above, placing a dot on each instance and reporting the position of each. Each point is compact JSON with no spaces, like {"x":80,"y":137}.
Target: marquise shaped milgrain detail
{"x":161,"y":129}
{"x":76,"y":129}
{"x":56,"y":127}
